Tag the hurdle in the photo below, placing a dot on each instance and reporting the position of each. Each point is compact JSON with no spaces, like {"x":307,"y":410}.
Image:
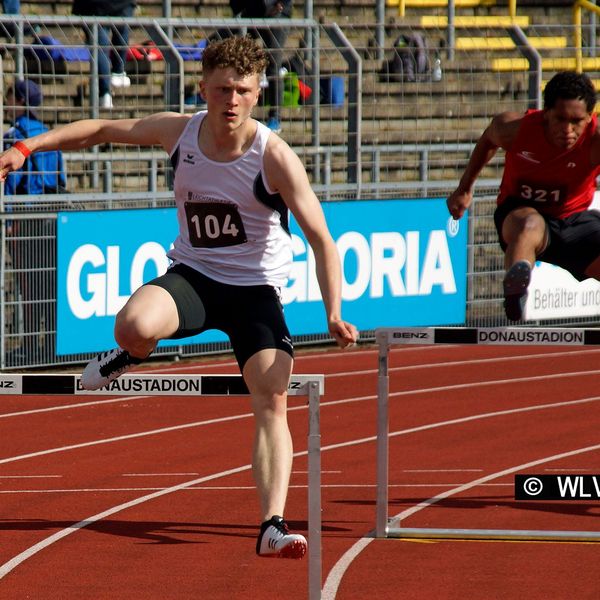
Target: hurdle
{"x":143,"y":384}
{"x":504,"y":336}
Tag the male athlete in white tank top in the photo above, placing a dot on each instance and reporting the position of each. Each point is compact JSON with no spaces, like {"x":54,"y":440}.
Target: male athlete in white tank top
{"x":234,"y":184}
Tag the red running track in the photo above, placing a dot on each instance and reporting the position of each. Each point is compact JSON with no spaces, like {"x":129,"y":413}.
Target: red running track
{"x":152,"y":497}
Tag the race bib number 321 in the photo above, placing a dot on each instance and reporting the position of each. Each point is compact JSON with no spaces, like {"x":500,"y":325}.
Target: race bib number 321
{"x":214,"y":224}
{"x":541,"y":193}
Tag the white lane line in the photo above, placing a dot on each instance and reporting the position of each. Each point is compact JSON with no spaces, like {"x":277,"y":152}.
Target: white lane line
{"x":303,"y":407}
{"x":304,"y":472}
{"x":356,"y":399}
{"x":121,"y":438}
{"x":329,"y":376}
{"x":337,"y":572}
{"x":158,"y":474}
{"x":114,"y":490}
{"x":463,"y":363}
{"x":29,"y":476}
{"x":567,"y":470}
{"x":442,"y":470}
{"x":34,"y":411}
{"x":8,"y":566}
{"x":18,"y":559}
{"x":498,"y":382}
{"x":335,"y":354}
{"x":468,"y":419}
{"x":211,"y":488}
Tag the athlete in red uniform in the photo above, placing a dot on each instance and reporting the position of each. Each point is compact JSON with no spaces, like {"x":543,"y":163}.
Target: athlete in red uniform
{"x":552,"y":161}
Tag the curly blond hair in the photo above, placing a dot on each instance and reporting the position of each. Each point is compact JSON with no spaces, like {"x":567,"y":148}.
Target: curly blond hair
{"x":240,"y":53}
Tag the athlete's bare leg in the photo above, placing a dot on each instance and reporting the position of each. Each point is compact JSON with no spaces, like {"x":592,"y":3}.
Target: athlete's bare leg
{"x":148,"y":316}
{"x":525,"y":234}
{"x":267,"y":375}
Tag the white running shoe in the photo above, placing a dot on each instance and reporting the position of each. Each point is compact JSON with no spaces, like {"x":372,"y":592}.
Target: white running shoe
{"x":276,"y":541}
{"x":120,"y":80}
{"x":106,"y":101}
{"x":107,"y":366}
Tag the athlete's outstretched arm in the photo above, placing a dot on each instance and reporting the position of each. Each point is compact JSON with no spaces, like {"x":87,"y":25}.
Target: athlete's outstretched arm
{"x":286,"y":175}
{"x":161,"y":129}
{"x":498,"y":134}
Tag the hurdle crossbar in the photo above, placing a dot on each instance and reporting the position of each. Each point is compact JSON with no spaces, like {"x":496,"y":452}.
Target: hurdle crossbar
{"x":142,"y":384}
{"x":500,"y":336}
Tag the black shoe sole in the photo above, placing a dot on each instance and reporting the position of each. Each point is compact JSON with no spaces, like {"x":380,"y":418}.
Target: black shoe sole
{"x":515,"y":284}
{"x":513,"y":307}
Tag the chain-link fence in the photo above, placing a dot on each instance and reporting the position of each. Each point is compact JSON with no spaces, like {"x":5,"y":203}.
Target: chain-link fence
{"x":364,"y":123}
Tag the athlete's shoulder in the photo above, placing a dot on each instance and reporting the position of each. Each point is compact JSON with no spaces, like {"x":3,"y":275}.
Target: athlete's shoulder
{"x":505,"y":127}
{"x":169,"y":126}
{"x":509,"y":116}
{"x":509,"y":122}
{"x":282,"y":165}
{"x":277,"y":150}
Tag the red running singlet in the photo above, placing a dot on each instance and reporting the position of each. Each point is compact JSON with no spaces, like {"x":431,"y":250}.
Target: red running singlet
{"x":558,"y":183}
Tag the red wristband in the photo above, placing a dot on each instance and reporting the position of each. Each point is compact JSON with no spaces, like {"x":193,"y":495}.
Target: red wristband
{"x":22,"y":148}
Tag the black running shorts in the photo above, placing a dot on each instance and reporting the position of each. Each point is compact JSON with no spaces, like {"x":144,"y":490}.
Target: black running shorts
{"x":252,"y":316}
{"x":573,"y":242}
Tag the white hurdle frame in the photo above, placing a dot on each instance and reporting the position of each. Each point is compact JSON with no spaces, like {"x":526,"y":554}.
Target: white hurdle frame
{"x":142,"y":384}
{"x":505,"y":336}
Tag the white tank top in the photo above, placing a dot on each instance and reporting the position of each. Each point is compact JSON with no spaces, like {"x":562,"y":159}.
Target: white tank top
{"x":232,"y":228}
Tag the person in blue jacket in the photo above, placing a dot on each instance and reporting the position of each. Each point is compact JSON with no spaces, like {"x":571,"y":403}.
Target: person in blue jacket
{"x":43,"y":173}
{"x":32,"y":241}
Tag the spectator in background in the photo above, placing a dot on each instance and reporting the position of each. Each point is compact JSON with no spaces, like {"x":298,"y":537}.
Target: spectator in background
{"x":111,"y":62}
{"x":273,"y":39}
{"x":44,"y":173}
{"x":32,"y":241}
{"x":10,"y":7}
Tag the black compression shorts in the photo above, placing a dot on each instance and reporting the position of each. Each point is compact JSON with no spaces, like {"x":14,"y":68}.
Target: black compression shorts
{"x":573,"y":242}
{"x":252,"y":316}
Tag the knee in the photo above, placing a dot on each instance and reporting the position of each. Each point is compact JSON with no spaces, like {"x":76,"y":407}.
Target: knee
{"x":530,"y":224}
{"x":270,"y":402}
{"x":267,"y":375}
{"x":131,"y":327}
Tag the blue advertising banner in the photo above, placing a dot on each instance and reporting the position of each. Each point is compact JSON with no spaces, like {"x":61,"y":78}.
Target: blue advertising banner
{"x":404,"y":264}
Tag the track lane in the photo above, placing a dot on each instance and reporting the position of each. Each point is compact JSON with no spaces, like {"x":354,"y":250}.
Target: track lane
{"x":351,"y":518}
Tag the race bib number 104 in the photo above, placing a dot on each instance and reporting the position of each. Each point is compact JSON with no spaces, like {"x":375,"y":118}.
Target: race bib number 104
{"x":214,"y":224}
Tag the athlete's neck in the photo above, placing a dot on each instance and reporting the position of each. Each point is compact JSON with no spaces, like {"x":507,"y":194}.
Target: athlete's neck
{"x":222,"y":144}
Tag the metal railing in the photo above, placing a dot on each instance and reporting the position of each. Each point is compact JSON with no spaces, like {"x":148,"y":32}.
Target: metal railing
{"x":578,"y":7}
{"x":402,"y":139}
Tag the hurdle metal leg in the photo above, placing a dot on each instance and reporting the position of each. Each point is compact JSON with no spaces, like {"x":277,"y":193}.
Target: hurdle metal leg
{"x":383,"y":383}
{"x":314,"y":493}
{"x":385,"y":337}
